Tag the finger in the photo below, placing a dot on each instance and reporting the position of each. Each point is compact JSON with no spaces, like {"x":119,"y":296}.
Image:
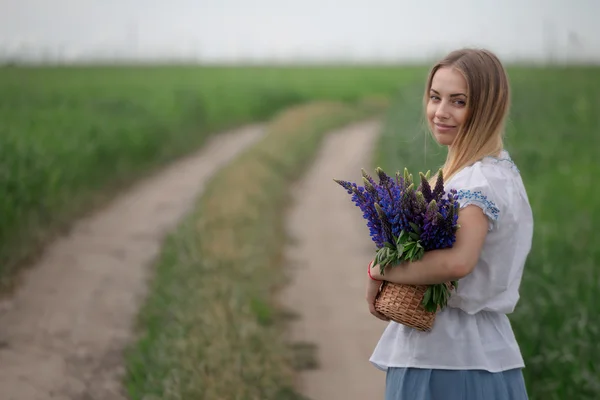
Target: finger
{"x":371,"y":299}
{"x":380,"y":316}
{"x":377,"y":314}
{"x":371,"y":294}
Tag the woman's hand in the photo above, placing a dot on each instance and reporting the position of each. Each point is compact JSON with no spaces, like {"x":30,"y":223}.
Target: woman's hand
{"x":373,"y":287}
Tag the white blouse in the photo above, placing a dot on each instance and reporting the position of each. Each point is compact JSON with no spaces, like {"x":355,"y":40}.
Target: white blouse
{"x":474,"y":332}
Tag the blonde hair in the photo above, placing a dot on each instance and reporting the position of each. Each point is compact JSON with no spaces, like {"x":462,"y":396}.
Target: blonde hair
{"x":488,"y":103}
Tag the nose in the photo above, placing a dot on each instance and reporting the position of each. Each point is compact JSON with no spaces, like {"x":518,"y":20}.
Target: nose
{"x":441,"y":111}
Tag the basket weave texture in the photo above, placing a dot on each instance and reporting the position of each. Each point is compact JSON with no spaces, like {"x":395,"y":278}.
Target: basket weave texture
{"x":402,"y":304}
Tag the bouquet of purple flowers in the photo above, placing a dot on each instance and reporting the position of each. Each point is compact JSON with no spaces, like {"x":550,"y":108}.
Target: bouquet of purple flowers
{"x":405,"y":222}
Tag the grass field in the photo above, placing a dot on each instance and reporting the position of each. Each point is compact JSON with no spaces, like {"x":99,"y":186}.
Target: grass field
{"x":71,"y":136}
{"x":211,"y":328}
{"x":553,"y":136}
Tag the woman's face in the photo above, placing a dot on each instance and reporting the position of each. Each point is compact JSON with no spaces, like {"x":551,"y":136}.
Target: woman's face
{"x":447,"y":105}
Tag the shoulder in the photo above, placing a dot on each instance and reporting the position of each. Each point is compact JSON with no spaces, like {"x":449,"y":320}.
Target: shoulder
{"x":485,"y":183}
{"x":491,"y":172}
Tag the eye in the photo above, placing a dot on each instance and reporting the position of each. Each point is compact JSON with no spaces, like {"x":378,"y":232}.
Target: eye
{"x":461,"y":103}
{"x":434,"y":97}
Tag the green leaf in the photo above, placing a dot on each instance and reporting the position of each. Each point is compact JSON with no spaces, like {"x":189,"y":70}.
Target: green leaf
{"x":381,"y":256}
{"x":400,"y":240}
{"x":415,"y":227}
{"x":436,"y":297}
{"x":403,"y":236}
{"x":382,"y":268}
{"x":427,"y":296}
{"x":399,"y":251}
{"x":429,"y":305}
{"x":414,"y":236}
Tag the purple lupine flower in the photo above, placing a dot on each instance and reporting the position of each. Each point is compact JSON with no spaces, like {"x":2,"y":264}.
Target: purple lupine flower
{"x":399,"y":180}
{"x":425,"y":189}
{"x":384,"y":179}
{"x":371,"y":188}
{"x":389,"y":202}
{"x":416,"y":220}
{"x":369,"y":210}
{"x":425,"y":212}
{"x":408,"y":206}
{"x":346,"y":185}
{"x":438,"y":190}
{"x":366,"y":202}
{"x":386,"y":226}
{"x":439,"y":228}
{"x":368,"y":177}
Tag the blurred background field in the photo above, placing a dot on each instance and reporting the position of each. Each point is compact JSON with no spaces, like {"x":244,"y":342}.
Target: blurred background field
{"x":88,"y":107}
{"x":68,"y":134}
{"x":71,"y":135}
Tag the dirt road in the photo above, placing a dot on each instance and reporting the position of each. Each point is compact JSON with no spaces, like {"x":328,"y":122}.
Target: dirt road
{"x":328,"y":261}
{"x":62,"y":334}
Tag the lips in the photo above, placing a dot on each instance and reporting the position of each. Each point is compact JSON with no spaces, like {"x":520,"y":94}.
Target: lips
{"x":444,"y":127}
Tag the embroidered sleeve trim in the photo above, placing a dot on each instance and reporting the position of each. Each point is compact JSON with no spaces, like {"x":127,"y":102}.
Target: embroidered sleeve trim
{"x":466,"y":197}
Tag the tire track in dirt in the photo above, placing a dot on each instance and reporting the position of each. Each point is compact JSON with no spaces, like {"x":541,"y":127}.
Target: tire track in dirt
{"x":327,"y":265}
{"x":63,"y":332}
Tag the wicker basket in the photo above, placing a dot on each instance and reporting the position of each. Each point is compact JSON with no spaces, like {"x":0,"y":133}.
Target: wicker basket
{"x":402,"y":304}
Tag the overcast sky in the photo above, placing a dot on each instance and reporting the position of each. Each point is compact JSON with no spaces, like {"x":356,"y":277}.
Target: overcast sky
{"x":351,"y":29}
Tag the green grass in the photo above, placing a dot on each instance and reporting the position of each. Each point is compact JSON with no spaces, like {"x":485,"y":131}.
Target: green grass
{"x":70,"y":137}
{"x":553,"y":136}
{"x":211,"y":328}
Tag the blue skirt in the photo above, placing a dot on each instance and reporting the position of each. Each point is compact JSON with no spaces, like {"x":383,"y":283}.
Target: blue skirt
{"x":438,"y":384}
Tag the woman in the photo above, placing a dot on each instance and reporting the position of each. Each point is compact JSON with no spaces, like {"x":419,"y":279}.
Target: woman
{"x":471,"y":352}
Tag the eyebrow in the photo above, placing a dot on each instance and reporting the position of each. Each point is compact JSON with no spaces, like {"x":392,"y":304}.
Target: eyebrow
{"x":452,"y":95}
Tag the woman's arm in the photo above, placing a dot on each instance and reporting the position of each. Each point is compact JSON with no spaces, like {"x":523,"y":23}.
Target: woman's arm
{"x":440,"y":266}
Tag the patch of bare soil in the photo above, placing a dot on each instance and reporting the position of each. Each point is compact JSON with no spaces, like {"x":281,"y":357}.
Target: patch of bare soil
{"x":63,"y":332}
{"x":328,"y":269}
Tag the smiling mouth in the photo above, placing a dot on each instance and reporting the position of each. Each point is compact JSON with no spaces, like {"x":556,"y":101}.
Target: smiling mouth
{"x":444,"y":126}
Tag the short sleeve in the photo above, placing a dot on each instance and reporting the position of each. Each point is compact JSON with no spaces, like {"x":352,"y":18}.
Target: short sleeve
{"x":478,"y":185}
